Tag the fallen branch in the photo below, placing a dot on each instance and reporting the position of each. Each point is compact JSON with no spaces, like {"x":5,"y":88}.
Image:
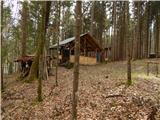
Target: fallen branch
{"x":111,"y":96}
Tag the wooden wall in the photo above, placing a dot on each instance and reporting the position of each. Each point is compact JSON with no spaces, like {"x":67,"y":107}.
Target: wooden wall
{"x":84,"y":60}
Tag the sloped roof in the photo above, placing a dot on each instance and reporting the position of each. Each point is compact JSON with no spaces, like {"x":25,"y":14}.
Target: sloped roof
{"x":68,"y":40}
{"x":87,"y":36}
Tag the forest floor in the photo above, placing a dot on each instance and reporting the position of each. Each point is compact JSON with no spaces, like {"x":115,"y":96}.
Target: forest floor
{"x":103,"y":95}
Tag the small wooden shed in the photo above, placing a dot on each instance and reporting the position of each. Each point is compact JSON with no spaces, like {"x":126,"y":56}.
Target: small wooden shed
{"x":90,"y":50}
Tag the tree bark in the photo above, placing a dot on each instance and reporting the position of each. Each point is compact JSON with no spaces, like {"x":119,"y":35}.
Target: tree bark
{"x":114,"y":31}
{"x":43,"y":24}
{"x":45,"y":18}
{"x":101,"y":23}
{"x":139,"y":28}
{"x":146,"y":42}
{"x":76,"y":63}
{"x":137,"y":41}
{"x":129,"y":82}
{"x":2,"y":84}
{"x":58,"y":39}
{"x":157,"y":35}
{"x":122,"y":37}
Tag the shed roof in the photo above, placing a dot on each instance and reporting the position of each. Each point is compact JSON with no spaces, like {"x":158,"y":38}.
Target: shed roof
{"x":89,"y":40}
{"x":27,"y":58}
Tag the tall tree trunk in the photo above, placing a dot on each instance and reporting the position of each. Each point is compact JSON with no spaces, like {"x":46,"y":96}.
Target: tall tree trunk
{"x":122,"y":37}
{"x":114,"y":31}
{"x":136,"y":43}
{"x":135,"y":47}
{"x":138,"y":32}
{"x":128,"y":43}
{"x":45,"y":18}
{"x":37,"y":30}
{"x":76,"y":63}
{"x":42,"y":25}
{"x":101,"y":22}
{"x":150,"y":41}
{"x":58,"y":39}
{"x":139,"y":28}
{"x":146,"y":42}
{"x":2,"y":84}
{"x":157,"y":35}
{"x":24,"y":27}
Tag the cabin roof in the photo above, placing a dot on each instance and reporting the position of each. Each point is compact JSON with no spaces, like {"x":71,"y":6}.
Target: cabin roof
{"x":89,"y":40}
{"x":68,"y":40}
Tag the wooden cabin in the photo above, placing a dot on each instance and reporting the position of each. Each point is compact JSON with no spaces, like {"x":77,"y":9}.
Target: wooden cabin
{"x":90,"y":50}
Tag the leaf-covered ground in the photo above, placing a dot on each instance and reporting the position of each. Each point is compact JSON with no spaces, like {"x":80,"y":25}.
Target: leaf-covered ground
{"x":103,"y":95}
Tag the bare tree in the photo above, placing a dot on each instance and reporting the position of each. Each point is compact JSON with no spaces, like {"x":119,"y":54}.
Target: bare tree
{"x":78,"y":11}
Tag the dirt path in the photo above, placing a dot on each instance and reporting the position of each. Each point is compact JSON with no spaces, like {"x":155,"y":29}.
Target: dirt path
{"x":102,"y":95}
